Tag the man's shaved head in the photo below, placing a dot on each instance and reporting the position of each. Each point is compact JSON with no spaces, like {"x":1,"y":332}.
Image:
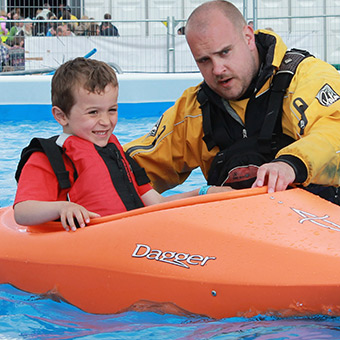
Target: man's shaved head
{"x":224,"y":48}
{"x":202,"y":15}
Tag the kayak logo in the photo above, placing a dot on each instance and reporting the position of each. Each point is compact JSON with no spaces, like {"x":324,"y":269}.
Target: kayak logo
{"x":183,"y":260}
{"x":321,"y":221}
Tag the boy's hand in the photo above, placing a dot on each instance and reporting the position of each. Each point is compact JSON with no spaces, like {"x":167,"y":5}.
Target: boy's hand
{"x":72,"y":213}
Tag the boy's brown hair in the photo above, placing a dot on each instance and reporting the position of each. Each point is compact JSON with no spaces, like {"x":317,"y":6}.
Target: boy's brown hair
{"x":93,"y":75}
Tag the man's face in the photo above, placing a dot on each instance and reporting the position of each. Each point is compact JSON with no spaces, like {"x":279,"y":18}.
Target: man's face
{"x":226,"y":57}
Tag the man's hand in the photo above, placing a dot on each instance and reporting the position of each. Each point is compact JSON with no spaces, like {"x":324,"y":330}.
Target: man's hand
{"x":277,"y":176}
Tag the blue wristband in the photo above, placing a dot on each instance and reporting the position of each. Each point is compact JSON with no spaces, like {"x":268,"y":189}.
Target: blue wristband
{"x":204,"y":189}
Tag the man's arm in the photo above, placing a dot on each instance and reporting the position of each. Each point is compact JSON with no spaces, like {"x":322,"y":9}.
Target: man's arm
{"x":314,"y":157}
{"x":173,"y":147}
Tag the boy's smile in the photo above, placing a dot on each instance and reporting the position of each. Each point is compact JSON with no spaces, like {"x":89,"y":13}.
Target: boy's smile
{"x":94,"y":116}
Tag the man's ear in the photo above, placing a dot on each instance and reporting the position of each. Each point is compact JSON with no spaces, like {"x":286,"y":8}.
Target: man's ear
{"x":248,"y":33}
{"x":59,"y":115}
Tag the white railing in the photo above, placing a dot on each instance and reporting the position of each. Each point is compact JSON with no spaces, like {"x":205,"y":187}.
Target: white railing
{"x":155,"y":46}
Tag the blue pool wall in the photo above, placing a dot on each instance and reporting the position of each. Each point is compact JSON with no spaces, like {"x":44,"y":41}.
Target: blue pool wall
{"x":28,"y":97}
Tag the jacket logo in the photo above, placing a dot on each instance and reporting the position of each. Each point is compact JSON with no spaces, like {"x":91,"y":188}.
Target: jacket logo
{"x":153,"y":131}
{"x":327,"y":96}
{"x":183,"y":260}
{"x":321,"y":221}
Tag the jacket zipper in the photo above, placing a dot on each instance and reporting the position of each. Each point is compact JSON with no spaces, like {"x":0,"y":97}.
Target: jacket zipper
{"x":145,"y":147}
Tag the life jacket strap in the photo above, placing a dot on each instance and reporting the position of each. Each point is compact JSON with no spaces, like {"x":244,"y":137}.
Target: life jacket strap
{"x":54,"y":155}
{"x":279,"y":87}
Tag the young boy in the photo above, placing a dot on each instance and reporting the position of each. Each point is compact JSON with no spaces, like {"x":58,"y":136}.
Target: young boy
{"x":84,"y":103}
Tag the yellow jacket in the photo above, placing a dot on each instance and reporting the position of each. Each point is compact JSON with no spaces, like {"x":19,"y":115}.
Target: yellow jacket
{"x":3,"y":30}
{"x":175,"y":147}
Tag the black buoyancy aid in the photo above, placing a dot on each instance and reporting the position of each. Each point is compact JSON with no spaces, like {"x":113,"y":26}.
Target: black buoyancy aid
{"x":122,"y":170}
{"x":243,"y":148}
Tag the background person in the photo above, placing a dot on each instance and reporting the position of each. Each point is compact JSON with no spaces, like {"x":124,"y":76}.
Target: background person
{"x":83,"y":27}
{"x":46,"y":11}
{"x":15,"y":29}
{"x":3,"y":28}
{"x":67,"y":15}
{"x":181,"y":30}
{"x":107,"y":29}
{"x":4,"y":55}
{"x":52,"y":31}
{"x":94,"y":28}
{"x":27,"y":29}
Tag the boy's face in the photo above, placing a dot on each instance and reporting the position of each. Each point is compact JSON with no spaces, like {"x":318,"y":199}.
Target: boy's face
{"x":94,"y":116}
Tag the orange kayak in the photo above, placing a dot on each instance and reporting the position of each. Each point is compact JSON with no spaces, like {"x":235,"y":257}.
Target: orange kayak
{"x":231,"y":254}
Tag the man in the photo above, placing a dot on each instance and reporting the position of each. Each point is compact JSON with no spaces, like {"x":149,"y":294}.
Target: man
{"x":67,"y":15}
{"x":64,"y":30}
{"x":231,"y":107}
{"x":15,"y":29}
{"x":4,"y":55}
{"x":45,"y":11}
{"x":107,"y":29}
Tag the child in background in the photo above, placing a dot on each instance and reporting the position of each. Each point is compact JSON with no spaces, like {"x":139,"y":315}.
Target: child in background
{"x":84,"y":103}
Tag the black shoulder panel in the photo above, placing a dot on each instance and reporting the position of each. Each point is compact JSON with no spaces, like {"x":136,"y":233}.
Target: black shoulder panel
{"x":139,"y":172}
{"x":279,"y":86}
{"x":54,"y":155}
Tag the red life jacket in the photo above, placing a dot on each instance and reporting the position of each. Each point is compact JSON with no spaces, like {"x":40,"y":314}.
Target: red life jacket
{"x":102,"y":181}
{"x":105,"y":183}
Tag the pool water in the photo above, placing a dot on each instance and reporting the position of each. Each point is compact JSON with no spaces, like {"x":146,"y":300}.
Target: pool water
{"x":28,"y":316}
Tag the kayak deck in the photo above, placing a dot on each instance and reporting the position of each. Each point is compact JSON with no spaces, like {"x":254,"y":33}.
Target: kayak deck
{"x":240,"y":253}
